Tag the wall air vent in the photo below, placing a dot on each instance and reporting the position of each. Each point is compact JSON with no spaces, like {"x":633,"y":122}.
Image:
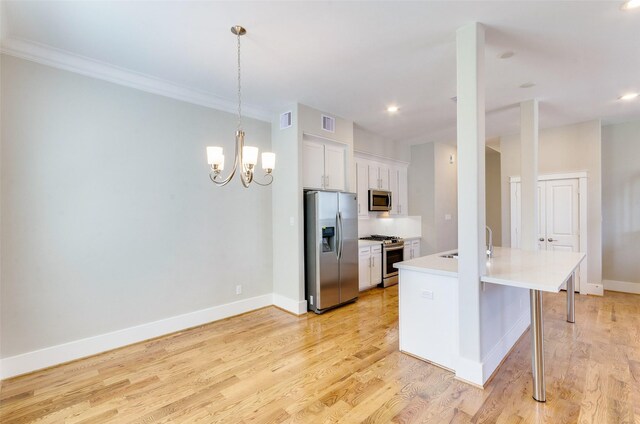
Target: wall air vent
{"x":285,"y":120}
{"x":328,"y":123}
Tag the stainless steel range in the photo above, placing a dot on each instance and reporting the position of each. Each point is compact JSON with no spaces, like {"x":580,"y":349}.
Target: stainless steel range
{"x":392,"y":252}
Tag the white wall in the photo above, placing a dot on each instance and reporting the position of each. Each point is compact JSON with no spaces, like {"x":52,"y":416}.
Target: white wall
{"x":433,"y":195}
{"x":621,"y":204}
{"x":446,"y":197}
{"x":421,"y":188}
{"x":365,"y":141}
{"x":288,"y":216}
{"x":109,"y":219}
{"x":565,"y":149}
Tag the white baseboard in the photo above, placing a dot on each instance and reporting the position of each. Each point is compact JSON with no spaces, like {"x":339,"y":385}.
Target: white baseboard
{"x":38,"y":359}
{"x":493,"y":359}
{"x":296,"y":307}
{"x":595,"y":289}
{"x":469,"y":371}
{"x":621,"y":286}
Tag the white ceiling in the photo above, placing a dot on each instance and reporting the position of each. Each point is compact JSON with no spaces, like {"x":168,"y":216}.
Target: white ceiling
{"x":355,"y":58}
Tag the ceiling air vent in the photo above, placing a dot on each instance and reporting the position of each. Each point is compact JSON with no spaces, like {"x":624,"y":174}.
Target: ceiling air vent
{"x":328,"y":123}
{"x":285,"y":120}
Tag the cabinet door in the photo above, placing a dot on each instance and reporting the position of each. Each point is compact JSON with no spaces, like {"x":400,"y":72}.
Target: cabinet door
{"x":334,"y":165}
{"x":415,"y":248}
{"x":313,"y":164}
{"x":364,"y":268}
{"x":393,"y":185}
{"x":362,"y":184}
{"x":374,"y":178}
{"x":383,"y":174}
{"x":402,"y":196}
{"x":376,"y":265}
{"x":406,"y":253}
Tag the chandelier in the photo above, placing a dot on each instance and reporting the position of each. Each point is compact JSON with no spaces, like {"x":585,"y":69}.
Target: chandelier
{"x":246,"y":157}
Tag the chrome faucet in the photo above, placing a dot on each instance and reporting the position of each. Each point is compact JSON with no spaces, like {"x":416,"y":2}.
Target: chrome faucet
{"x":490,"y":247}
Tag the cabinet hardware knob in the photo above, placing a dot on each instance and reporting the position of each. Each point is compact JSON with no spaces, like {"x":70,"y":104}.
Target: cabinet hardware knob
{"x":550,"y":239}
{"x":541,"y":239}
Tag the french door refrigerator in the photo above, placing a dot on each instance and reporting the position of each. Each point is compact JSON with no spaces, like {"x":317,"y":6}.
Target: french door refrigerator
{"x":331,"y":249}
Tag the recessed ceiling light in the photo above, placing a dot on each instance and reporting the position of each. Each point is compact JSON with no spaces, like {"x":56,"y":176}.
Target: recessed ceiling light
{"x":629,"y":96}
{"x":527,"y":85}
{"x":630,"y":4}
{"x":507,"y":54}
{"x":393,"y":109}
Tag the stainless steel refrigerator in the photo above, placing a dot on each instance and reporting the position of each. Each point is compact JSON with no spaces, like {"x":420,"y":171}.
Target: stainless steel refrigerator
{"x":331,"y":249}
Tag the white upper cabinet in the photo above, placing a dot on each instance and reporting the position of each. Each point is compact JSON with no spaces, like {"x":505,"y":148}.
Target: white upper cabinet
{"x":375,"y":175}
{"x":334,"y":167}
{"x":324,"y":166}
{"x":362,"y":184}
{"x":378,"y":176}
{"x":399,"y":191}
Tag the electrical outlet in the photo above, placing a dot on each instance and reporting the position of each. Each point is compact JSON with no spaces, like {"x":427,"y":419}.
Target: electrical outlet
{"x":238,"y":289}
{"x":447,"y":217}
{"x":291,"y":221}
{"x":427,"y":294}
{"x":311,"y":300}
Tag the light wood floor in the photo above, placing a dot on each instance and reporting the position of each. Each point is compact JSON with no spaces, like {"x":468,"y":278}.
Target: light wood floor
{"x":341,"y":367}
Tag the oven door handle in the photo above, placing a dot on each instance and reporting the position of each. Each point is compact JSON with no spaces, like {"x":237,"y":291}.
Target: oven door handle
{"x":388,"y":249}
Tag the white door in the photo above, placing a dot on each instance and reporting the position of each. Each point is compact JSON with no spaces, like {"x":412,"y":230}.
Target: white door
{"x":374,"y":177}
{"x":402,"y":195}
{"x":364,"y":268}
{"x":558,"y":217}
{"x":313,"y":160}
{"x":334,"y":165}
{"x":376,"y":265}
{"x":383,"y":173}
{"x":542,"y":215}
{"x":562,"y":215}
{"x":362,"y":184}
{"x":393,"y":184}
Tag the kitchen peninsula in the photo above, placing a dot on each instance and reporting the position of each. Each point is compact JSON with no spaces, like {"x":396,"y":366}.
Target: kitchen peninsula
{"x":428,"y":308}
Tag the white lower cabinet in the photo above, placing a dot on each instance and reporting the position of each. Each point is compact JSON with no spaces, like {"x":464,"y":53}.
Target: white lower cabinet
{"x":411,"y":249}
{"x":428,"y":306}
{"x":370,"y":266}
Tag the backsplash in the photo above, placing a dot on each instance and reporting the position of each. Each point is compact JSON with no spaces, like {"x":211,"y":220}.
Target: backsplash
{"x":405,"y":227}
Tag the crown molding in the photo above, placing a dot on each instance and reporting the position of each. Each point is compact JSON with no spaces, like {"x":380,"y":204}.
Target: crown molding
{"x":62,"y":59}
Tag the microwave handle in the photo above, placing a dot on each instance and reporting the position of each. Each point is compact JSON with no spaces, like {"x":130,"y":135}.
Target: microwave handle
{"x":389,"y":196}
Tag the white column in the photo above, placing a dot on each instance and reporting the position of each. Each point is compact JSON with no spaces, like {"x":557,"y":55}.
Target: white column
{"x":529,"y":174}
{"x":471,"y":190}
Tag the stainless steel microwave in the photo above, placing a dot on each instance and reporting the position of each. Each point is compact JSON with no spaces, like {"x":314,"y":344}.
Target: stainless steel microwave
{"x":379,"y":200}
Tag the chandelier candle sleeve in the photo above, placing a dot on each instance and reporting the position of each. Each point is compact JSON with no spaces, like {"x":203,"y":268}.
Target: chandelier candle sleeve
{"x":268,"y":161}
{"x":249,"y":156}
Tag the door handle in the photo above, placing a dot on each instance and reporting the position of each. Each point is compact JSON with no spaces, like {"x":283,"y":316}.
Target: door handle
{"x":541,"y":239}
{"x":550,"y":239}
{"x":358,"y":208}
{"x":327,"y":183}
{"x":322,"y":181}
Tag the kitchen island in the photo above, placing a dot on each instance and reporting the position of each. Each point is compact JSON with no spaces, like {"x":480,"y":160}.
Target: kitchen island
{"x":428,"y":307}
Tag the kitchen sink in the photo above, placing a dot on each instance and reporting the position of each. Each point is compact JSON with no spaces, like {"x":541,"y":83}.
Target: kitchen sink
{"x":453,"y":255}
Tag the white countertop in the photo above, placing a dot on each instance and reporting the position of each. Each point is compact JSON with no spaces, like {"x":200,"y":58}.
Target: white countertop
{"x":363,"y":243}
{"x":431,"y":264}
{"x":544,"y":270}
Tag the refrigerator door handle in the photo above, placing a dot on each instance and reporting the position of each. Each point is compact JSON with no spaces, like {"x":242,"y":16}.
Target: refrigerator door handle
{"x":341,"y":235}
{"x":338,"y":235}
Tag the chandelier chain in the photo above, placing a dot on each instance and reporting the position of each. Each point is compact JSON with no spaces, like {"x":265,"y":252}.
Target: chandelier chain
{"x":239,"y":89}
